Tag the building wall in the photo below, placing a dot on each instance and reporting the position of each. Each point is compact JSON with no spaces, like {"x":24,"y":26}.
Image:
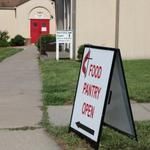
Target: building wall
{"x":95,"y":22}
{"x":23,"y":16}
{"x":8,"y":21}
{"x":134,"y":33}
{"x":18,"y":21}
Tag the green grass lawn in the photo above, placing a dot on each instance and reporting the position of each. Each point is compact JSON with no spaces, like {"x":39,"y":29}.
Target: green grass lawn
{"x":7,"y":52}
{"x":60,"y":79}
{"x":59,"y":83}
{"x":110,"y":140}
{"x":138,"y":79}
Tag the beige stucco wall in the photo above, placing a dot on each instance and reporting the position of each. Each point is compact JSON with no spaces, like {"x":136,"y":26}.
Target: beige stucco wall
{"x":23,"y":16}
{"x":17,"y":21}
{"x":134,"y":34}
{"x":8,"y":21}
{"x":95,"y":22}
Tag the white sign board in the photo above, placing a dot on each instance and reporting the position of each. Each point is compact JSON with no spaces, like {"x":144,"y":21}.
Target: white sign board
{"x":91,"y":92}
{"x":44,"y":29}
{"x":101,"y":95}
{"x":64,"y":37}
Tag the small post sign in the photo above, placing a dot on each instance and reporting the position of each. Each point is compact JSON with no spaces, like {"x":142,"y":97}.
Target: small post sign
{"x":96,"y":93}
{"x":62,"y":37}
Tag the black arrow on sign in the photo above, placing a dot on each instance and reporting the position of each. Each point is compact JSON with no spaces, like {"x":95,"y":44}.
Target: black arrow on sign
{"x":87,"y":129}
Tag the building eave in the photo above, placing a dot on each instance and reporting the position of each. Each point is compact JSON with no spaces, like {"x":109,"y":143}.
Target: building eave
{"x":7,"y":8}
{"x":22,"y":3}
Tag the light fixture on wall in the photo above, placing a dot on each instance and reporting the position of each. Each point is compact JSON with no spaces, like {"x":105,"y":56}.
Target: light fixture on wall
{"x":51,"y":17}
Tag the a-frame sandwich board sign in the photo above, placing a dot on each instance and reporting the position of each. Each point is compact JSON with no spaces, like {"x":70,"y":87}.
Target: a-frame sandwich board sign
{"x":101,"y":95}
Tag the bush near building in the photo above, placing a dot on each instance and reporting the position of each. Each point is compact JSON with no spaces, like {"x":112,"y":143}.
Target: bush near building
{"x":46,"y":43}
{"x":80,"y":52}
{"x":4,"y":39}
{"x":18,"y":40}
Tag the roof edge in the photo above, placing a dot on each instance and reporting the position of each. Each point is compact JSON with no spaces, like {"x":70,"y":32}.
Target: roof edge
{"x":7,"y":8}
{"x":22,"y":3}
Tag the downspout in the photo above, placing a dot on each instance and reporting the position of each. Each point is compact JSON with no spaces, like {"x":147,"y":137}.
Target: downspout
{"x":117,"y":24}
{"x":64,"y":14}
{"x":15,"y":12}
{"x":73,"y":24}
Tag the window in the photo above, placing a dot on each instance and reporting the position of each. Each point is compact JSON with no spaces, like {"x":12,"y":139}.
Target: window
{"x":43,"y":24}
{"x":35,"y":24}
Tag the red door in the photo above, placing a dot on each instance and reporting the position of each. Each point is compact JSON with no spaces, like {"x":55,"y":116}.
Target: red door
{"x":38,"y":27}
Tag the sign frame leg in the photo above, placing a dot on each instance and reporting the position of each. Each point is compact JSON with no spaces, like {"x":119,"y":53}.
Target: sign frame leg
{"x":57,"y":51}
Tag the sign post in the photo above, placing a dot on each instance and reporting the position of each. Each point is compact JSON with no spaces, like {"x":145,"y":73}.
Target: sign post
{"x":101,"y":89}
{"x":62,"y":37}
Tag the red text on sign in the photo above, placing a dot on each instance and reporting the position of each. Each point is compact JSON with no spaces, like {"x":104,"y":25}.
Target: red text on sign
{"x":95,"y":71}
{"x":88,"y":110}
{"x":91,"y":90}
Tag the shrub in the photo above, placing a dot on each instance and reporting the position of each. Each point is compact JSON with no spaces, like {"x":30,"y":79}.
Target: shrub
{"x":4,"y":43}
{"x":80,"y":52}
{"x":44,"y":41}
{"x":18,"y":40}
{"x":4,"y":35}
{"x":4,"y":39}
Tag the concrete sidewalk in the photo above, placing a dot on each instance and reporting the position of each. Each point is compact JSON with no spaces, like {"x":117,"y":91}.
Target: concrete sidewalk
{"x":141,"y":112}
{"x":20,"y":103}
